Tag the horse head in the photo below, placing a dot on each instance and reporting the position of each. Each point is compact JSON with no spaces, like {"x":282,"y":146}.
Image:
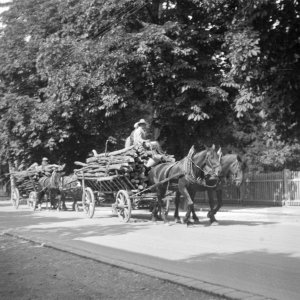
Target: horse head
{"x":208,"y":161}
{"x":56,"y":176}
{"x":233,"y":167}
{"x":212,"y":168}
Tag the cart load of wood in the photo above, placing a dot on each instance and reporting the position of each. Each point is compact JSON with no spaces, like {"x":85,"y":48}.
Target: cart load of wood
{"x":26,"y":178}
{"x":130,"y":162}
{"x":36,"y":170}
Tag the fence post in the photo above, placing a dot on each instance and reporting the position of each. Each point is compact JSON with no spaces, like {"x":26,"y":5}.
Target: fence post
{"x":12,"y":181}
{"x":286,"y":190}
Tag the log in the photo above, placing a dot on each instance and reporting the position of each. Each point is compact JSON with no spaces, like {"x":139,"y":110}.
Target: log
{"x":108,"y":168}
{"x":105,"y":159}
{"x":109,"y":178}
{"x":92,"y":159}
{"x":100,"y":174}
{"x":116,"y":152}
{"x":87,"y":178}
{"x":78,"y":163}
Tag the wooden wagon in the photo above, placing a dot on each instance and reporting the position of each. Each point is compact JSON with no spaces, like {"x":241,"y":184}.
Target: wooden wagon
{"x":118,"y":178}
{"x":24,"y":186}
{"x":35,"y":183}
{"x":119,"y":191}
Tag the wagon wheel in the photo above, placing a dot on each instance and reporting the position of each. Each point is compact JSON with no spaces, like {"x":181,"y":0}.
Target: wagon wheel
{"x":31,"y":201}
{"x":88,"y":202}
{"x":15,"y":197}
{"x":123,"y":205}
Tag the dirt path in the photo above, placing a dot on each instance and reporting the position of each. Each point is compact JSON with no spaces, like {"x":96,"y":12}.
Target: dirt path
{"x":30,"y":271}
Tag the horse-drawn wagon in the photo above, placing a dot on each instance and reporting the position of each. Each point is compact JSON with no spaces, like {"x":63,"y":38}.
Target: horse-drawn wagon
{"x":118,"y":178}
{"x":24,"y":186}
{"x":35,"y":184}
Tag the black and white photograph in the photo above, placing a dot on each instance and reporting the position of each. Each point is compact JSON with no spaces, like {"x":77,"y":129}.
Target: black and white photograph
{"x":149,"y":149}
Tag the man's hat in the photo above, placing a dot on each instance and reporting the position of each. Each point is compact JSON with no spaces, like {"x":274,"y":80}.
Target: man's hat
{"x":142,"y":121}
{"x":45,"y":158}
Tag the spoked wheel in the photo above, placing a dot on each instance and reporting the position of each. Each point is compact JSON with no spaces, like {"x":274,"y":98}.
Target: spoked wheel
{"x":31,"y":201}
{"x":123,"y":205}
{"x":88,"y":202}
{"x":15,"y":197}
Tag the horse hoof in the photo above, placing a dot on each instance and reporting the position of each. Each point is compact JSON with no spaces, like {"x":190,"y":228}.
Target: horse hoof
{"x":186,"y":221}
{"x":189,"y":224}
{"x":177,"y":220}
{"x":209,"y":214}
{"x":196,"y":220}
{"x":214,"y":223}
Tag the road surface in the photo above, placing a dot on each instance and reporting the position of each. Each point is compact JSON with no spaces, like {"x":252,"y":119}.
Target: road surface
{"x":29,"y":271}
{"x":252,"y":252}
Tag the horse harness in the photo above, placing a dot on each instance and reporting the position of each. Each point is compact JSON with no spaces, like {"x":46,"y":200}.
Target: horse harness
{"x":200,"y":180}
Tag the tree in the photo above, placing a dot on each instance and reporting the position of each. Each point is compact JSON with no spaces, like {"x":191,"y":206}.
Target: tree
{"x":80,"y":74}
{"x":263,"y":74}
{"x":74,"y":73}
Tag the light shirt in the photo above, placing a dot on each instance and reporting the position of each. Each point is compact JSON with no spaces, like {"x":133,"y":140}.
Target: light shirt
{"x":139,"y":135}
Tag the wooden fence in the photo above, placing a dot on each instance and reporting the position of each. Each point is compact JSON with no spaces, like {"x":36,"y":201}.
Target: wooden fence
{"x":271,"y":189}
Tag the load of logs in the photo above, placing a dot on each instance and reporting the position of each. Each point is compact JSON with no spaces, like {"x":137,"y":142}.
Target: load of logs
{"x":129,"y":162}
{"x":28,"y":179}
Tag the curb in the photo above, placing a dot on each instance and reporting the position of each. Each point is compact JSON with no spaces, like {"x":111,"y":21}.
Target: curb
{"x":213,"y":289}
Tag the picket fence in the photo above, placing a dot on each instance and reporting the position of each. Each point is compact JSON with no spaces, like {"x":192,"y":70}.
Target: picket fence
{"x":270,"y":189}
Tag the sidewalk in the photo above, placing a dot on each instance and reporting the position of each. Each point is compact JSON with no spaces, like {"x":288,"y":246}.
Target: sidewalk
{"x":254,"y":250}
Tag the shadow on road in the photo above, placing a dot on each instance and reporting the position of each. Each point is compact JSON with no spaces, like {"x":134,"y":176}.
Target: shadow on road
{"x":65,"y":224}
{"x":242,"y":223}
{"x":272,"y":274}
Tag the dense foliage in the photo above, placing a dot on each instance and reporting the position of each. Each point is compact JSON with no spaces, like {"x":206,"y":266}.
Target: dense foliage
{"x":73,"y":73}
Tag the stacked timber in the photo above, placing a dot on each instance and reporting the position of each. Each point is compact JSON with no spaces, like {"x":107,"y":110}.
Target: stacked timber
{"x":129,"y":162}
{"x":25,"y":179}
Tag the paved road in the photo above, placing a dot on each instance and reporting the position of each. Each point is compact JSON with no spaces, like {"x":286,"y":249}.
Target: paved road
{"x":253,"y":250}
{"x":29,"y":271}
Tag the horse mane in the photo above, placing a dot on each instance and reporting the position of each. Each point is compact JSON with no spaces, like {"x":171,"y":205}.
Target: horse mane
{"x":242,"y":162}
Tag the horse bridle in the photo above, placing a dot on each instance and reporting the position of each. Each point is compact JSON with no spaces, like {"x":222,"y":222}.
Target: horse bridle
{"x":212,"y":172}
{"x":207,"y":159}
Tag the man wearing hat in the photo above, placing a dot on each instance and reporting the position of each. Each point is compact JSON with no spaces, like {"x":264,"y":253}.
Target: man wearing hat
{"x":139,"y":134}
{"x":129,"y":140}
{"x":45,"y":161}
{"x":44,"y":164}
{"x":42,"y":170}
{"x":139,"y":137}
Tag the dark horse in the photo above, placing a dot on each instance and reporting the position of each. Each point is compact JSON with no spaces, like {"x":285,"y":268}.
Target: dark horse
{"x":70,"y":187}
{"x":50,"y":188}
{"x":196,"y":167}
{"x":232,"y":169}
